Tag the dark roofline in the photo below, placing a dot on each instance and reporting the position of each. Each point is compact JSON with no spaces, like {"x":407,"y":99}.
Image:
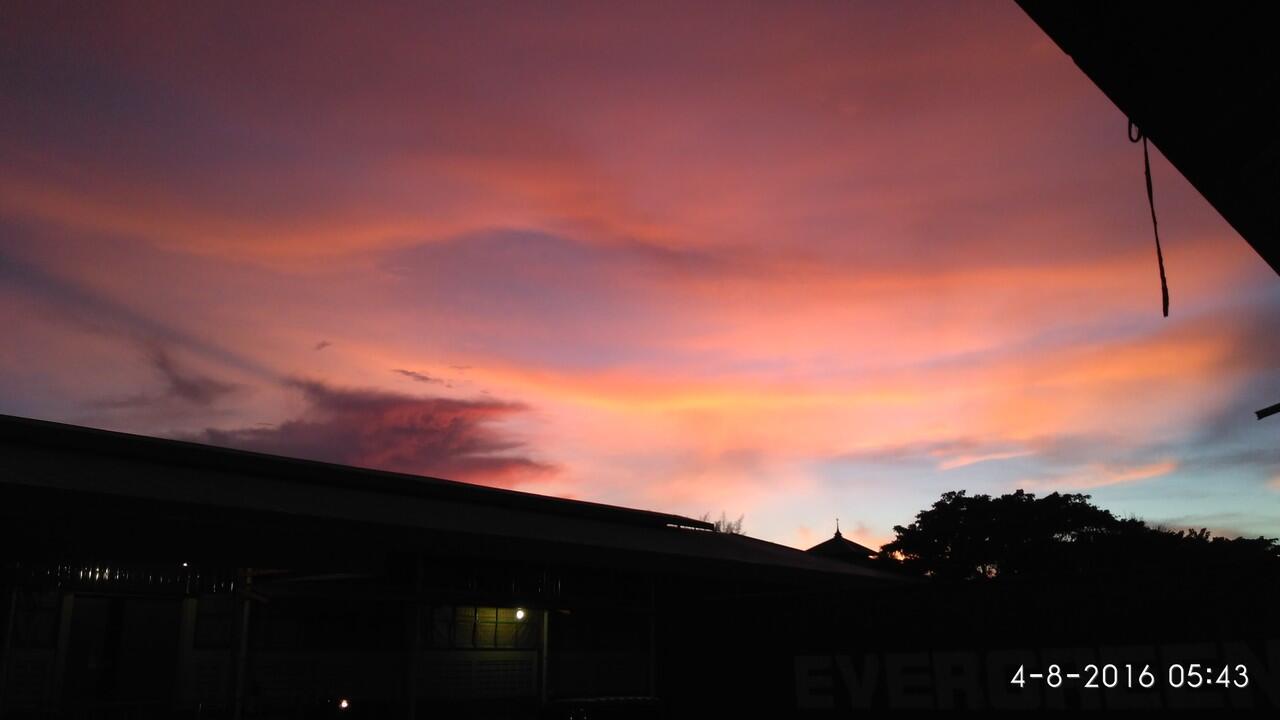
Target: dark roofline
{"x":64,"y":474}
{"x":182,"y":453}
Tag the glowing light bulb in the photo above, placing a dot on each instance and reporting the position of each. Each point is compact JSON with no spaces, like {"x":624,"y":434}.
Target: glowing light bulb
{"x":343,"y":704}
{"x":519,"y":613}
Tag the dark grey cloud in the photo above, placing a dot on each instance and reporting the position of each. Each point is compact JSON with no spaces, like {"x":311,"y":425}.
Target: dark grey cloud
{"x":440,"y":437}
{"x":420,"y":377}
{"x":74,"y":303}
{"x":181,"y":386}
{"x":191,"y":387}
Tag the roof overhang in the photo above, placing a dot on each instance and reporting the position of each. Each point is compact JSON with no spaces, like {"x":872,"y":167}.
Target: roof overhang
{"x":1200,"y":80}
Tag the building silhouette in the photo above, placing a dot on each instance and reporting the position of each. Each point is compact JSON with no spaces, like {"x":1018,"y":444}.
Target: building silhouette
{"x":156,"y":578}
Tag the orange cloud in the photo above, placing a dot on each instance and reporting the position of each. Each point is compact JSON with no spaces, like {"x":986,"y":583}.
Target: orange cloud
{"x":966,"y":460}
{"x":1102,"y":476}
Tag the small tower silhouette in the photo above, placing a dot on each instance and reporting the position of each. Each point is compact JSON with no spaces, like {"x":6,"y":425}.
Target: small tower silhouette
{"x":838,"y":547}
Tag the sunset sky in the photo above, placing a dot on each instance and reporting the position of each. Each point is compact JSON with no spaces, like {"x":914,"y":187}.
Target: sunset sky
{"x":788,"y":260}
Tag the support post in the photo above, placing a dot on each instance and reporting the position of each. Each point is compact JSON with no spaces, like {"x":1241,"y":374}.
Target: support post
{"x":242,"y":648}
{"x":653,"y":638}
{"x":6,"y":652}
{"x":544,"y":659}
{"x":60,"y":654}
{"x":186,"y":644}
{"x":415,"y":639}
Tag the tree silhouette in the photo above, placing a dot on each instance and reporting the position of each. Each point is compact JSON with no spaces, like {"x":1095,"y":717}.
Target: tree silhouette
{"x":724,"y":524}
{"x":966,"y":537}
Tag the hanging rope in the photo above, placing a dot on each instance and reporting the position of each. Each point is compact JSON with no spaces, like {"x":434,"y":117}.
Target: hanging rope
{"x":1136,"y":134}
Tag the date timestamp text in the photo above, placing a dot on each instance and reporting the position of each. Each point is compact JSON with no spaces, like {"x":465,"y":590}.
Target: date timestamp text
{"x":1189,"y":675}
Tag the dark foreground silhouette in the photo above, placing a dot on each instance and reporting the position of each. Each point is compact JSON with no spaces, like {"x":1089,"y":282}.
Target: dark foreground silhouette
{"x":1020,"y":581}
{"x":1062,"y":536}
{"x":146,"y":578}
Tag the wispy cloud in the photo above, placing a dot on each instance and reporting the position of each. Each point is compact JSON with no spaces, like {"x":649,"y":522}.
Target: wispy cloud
{"x":420,"y":377}
{"x":960,"y":461}
{"x":1096,"y":476}
{"x":949,"y":453}
{"x":180,"y":385}
{"x":79,"y":305}
{"x":191,"y":387}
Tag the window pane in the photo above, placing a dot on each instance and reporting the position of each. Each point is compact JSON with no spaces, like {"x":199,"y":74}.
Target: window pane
{"x":463,"y":635}
{"x":485,"y":633}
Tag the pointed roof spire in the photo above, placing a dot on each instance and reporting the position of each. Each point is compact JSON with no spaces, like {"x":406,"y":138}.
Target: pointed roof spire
{"x":841,"y":548}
